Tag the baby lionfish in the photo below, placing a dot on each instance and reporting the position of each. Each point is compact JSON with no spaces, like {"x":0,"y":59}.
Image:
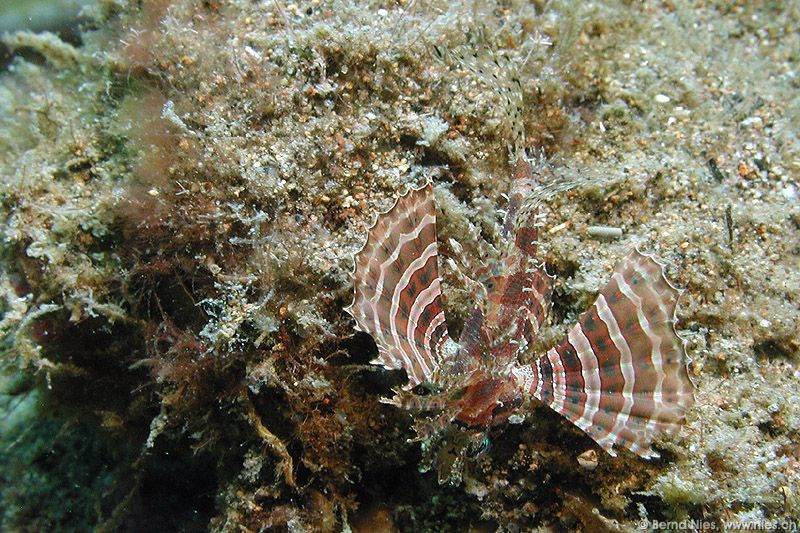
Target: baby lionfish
{"x":620,"y":373}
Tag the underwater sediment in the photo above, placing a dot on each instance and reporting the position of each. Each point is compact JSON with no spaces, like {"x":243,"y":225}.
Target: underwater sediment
{"x":183,"y":192}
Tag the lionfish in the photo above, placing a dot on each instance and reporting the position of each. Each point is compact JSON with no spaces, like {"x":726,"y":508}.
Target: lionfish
{"x":620,"y":373}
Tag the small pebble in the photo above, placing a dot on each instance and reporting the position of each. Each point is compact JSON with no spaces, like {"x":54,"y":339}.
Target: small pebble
{"x":588,"y":459}
{"x":755,"y":122}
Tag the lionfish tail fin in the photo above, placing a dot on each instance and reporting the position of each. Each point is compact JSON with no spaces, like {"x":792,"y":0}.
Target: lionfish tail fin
{"x":397,"y":294}
{"x":621,"y":372}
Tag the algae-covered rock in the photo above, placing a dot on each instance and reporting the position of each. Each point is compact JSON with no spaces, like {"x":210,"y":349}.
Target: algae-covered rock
{"x":182,"y":190}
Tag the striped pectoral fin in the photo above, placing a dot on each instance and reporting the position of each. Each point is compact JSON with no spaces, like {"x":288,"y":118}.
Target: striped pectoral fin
{"x":397,"y":294}
{"x":620,"y":374}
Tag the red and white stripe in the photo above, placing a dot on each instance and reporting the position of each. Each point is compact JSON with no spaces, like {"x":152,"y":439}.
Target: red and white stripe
{"x":398,"y":296}
{"x":620,"y":374}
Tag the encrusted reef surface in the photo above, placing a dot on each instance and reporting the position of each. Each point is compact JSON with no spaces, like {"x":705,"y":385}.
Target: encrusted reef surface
{"x":182,"y":194}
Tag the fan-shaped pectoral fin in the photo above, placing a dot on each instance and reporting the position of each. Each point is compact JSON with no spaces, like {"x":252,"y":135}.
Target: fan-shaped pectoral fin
{"x":397,"y":287}
{"x":621,"y":372}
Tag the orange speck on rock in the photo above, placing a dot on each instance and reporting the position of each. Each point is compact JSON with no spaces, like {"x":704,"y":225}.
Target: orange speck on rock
{"x":743,"y":170}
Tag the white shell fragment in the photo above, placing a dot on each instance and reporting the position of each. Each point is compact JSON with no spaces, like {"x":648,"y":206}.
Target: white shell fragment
{"x":604,"y":232}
